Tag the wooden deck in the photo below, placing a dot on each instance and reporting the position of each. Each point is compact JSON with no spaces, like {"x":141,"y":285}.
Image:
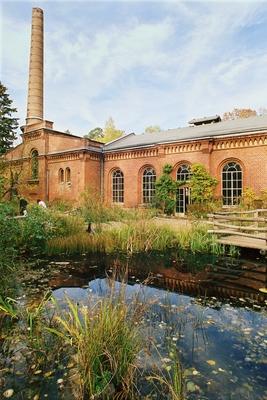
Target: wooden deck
{"x":241,"y":228}
{"x":248,"y":243}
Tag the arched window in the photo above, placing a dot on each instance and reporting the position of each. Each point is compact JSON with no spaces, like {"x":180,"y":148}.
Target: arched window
{"x":184,"y":173}
{"x":117,"y":186}
{"x":231,"y":183}
{"x":61,"y":175}
{"x":149,"y":179}
{"x":183,"y":193}
{"x":34,"y":164}
{"x":67,"y":174}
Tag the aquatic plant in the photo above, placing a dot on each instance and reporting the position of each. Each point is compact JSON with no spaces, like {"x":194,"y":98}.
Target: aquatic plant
{"x":171,"y":377}
{"x":7,"y":307}
{"x":140,"y":236}
{"x":105,"y":340}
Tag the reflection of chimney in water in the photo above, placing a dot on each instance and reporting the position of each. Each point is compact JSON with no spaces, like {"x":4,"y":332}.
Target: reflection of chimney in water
{"x":35,"y":86}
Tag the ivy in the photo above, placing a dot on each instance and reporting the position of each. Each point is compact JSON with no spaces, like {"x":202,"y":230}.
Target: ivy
{"x":166,"y":191}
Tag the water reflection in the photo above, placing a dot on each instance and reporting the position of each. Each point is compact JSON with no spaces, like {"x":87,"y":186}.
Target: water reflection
{"x":193,"y":275}
{"x":210,"y":309}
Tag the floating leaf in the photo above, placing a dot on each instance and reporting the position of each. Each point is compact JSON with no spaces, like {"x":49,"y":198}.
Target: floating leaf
{"x":211,"y":362}
{"x":263,"y":290}
{"x":39,"y":371}
{"x":8,"y":393}
{"x":49,"y":373}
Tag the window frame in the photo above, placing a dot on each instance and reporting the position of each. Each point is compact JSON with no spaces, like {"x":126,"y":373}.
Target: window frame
{"x":231,"y":183}
{"x":149,"y":178}
{"x":117,"y":186}
{"x":67,"y":175}
{"x":34,"y":165}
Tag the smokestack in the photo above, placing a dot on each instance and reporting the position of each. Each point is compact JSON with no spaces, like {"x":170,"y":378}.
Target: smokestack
{"x":36,"y":69}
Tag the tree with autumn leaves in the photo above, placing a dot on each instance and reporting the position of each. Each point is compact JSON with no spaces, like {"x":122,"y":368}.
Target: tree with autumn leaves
{"x":237,"y":113}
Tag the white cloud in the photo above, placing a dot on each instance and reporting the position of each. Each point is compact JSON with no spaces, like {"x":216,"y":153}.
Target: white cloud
{"x":163,"y":70}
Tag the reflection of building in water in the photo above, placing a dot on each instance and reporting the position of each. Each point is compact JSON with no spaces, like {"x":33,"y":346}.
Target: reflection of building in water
{"x":242,"y":280}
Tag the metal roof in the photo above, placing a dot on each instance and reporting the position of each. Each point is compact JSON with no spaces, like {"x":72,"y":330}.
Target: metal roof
{"x":224,"y":128}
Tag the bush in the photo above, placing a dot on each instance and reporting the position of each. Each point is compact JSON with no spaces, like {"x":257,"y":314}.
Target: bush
{"x":166,"y":187}
{"x":41,"y":224}
{"x":9,"y":233}
{"x":201,"y":210}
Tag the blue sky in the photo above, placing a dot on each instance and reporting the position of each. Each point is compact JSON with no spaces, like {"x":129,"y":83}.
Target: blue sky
{"x":141,"y":62}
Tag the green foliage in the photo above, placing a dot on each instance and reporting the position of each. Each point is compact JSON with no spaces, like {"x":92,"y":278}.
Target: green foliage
{"x":202,"y":185}
{"x":248,"y":198}
{"x":110,"y":131}
{"x":105,"y":338}
{"x":9,"y":234}
{"x":137,"y":237}
{"x":200,"y":210}
{"x":61,"y":205}
{"x":93,"y":209}
{"x":166,"y":187}
{"x":152,"y":129}
{"x":41,"y":224}
{"x":95,"y":134}
{"x":8,"y":124}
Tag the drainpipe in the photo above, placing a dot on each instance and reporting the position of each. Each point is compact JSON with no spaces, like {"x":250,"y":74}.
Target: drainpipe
{"x":102,"y":176}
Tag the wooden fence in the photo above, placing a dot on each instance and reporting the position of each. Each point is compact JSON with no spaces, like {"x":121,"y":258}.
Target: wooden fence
{"x":241,"y":228}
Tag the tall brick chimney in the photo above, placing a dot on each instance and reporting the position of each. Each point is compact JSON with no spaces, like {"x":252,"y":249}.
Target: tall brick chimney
{"x":36,"y":69}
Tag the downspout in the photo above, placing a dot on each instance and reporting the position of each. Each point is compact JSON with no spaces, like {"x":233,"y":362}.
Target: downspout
{"x":102,"y":175}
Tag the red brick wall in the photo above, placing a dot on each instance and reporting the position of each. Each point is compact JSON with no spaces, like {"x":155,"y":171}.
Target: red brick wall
{"x":85,"y":168}
{"x":252,"y":157}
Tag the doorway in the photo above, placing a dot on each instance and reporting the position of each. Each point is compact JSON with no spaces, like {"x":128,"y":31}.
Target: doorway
{"x":182,"y":199}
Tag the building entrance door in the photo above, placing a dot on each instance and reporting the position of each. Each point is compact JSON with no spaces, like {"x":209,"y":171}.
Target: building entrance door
{"x":182,"y":199}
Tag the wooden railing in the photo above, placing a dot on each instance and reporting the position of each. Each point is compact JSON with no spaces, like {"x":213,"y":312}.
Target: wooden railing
{"x":250,"y":224}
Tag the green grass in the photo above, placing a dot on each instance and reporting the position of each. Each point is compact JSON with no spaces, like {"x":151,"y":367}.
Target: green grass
{"x":140,"y":236}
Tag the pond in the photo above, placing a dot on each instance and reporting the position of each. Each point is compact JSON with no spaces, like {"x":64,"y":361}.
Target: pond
{"x":210,"y":309}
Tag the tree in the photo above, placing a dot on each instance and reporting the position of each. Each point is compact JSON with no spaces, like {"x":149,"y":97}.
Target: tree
{"x":152,"y":129}
{"x":110,"y":132}
{"x":95,"y":134}
{"x":202,"y":185}
{"x":8,"y":124}
{"x":166,"y":191}
{"x":239,"y":113}
{"x":67,"y":131}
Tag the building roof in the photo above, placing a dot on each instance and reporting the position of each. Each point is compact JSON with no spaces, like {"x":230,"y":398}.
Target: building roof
{"x":235,"y":127}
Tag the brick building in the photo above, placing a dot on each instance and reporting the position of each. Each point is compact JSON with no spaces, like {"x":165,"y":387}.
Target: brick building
{"x":58,"y":165}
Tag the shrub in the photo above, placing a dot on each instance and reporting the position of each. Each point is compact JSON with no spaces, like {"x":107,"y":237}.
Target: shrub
{"x":9,"y":233}
{"x":166,"y":187}
{"x":202,"y":185}
{"x":41,"y":224}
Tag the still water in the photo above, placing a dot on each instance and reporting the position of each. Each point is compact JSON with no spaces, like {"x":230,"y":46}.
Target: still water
{"x":212,"y":311}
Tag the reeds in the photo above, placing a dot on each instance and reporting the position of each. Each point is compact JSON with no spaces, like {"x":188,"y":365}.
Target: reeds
{"x":105,"y":340}
{"x":140,"y":236}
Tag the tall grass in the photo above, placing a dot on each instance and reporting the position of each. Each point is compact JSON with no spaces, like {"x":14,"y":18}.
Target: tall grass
{"x":140,"y":236}
{"x":95,"y":210}
{"x":105,"y":340}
